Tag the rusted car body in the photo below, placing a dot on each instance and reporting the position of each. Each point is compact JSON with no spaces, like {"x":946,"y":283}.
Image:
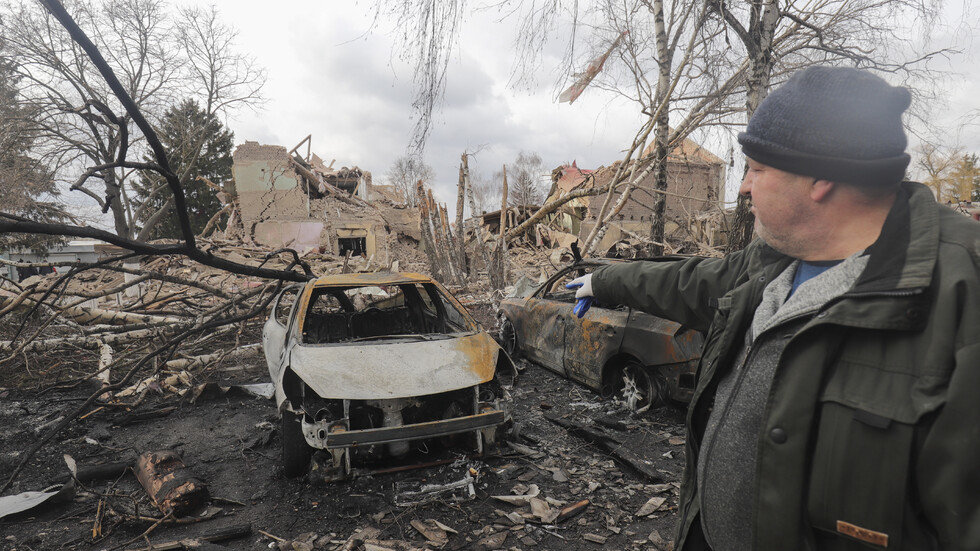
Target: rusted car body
{"x":613,"y":349}
{"x":365,"y":365}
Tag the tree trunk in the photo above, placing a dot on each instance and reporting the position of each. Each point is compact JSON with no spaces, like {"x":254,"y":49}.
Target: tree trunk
{"x":661,"y":132}
{"x":460,"y":207}
{"x":499,"y":281}
{"x":477,"y":233}
{"x":757,"y":87}
{"x":115,"y":203}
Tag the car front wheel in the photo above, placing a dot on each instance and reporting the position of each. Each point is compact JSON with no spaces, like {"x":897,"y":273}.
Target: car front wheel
{"x":296,"y":452}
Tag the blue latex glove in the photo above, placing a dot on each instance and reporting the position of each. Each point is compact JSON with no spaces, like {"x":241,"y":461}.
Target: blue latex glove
{"x":583,"y":287}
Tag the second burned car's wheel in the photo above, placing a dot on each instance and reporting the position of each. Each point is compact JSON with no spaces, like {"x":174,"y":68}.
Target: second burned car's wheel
{"x":638,"y":389}
{"x":508,"y":338}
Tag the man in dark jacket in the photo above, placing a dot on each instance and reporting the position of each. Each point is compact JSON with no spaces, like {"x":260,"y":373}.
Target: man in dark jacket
{"x":838,"y":397}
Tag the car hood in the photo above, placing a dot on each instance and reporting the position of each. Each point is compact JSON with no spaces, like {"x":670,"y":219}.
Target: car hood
{"x":381,"y":370}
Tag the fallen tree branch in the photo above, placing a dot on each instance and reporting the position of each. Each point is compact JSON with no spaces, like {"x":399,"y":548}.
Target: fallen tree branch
{"x":167,"y":348}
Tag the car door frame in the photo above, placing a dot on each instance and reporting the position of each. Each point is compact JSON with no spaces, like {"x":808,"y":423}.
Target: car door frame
{"x":545,"y":339}
{"x":277,"y":334}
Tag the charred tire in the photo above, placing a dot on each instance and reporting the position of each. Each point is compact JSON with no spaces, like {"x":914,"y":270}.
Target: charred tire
{"x":508,"y":338}
{"x":639,"y":388}
{"x":296,"y":453}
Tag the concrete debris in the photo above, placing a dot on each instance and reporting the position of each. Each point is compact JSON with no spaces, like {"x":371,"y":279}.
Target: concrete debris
{"x":594,"y":538}
{"x":522,"y":499}
{"x":652,"y":505}
{"x":543,"y":510}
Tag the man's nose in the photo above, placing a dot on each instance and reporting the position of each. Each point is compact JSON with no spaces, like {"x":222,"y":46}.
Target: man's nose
{"x":746,"y":187}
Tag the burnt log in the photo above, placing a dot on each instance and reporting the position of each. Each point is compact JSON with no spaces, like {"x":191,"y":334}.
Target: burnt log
{"x":170,"y":484}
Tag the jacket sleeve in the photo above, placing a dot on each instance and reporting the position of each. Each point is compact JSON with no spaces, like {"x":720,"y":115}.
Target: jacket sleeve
{"x":678,"y":290}
{"x":949,"y":466}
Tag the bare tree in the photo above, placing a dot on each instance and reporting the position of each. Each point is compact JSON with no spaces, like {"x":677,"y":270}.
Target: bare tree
{"x":680,"y":62}
{"x":158,"y":56}
{"x":485,"y":192}
{"x":777,"y":38}
{"x":220,"y":79}
{"x":155,"y":341}
{"x":427,"y":32}
{"x":405,"y":173}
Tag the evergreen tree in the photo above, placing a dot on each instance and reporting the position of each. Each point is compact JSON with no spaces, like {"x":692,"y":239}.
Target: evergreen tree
{"x":198,"y":146}
{"x":27,"y":184}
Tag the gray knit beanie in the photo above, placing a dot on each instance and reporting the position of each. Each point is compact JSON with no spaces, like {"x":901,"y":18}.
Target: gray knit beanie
{"x":833,"y":123}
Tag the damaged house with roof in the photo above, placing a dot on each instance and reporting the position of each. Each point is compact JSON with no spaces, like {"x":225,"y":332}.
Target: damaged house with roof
{"x":694,"y":199}
{"x":286,"y":199}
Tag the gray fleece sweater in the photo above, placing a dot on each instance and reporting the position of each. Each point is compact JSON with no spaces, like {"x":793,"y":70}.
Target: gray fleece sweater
{"x":726,"y":465}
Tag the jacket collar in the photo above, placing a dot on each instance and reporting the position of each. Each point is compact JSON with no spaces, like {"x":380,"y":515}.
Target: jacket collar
{"x":904,"y":256}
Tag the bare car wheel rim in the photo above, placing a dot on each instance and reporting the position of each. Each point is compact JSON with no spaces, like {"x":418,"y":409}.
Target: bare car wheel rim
{"x":637,"y":389}
{"x":508,"y":336}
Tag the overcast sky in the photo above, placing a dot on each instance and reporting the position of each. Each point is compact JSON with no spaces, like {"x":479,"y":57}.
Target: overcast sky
{"x":332,"y":75}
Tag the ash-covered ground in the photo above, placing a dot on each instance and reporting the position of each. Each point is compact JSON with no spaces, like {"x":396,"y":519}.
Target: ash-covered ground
{"x":231,"y":441}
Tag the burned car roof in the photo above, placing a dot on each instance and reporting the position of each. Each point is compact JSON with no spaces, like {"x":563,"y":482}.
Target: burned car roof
{"x":373,"y":278}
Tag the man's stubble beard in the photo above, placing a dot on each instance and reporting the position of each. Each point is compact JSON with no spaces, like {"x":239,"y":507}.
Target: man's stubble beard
{"x":793,"y":246}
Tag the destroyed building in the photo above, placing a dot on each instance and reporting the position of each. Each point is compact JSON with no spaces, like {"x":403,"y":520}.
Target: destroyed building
{"x":287,"y":200}
{"x":695,"y":189}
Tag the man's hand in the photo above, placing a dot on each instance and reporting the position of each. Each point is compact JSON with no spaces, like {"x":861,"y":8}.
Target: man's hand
{"x":583,"y":294}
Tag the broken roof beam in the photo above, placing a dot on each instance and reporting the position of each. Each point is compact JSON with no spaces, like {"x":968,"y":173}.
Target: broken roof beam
{"x":312,"y":176}
{"x":308,"y":140}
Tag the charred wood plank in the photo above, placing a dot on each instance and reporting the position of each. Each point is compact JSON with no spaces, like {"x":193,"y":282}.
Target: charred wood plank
{"x":234,"y":531}
{"x":611,"y":445}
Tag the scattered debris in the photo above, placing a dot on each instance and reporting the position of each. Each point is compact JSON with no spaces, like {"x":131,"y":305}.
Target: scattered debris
{"x":594,"y":538}
{"x":612,"y":445}
{"x":572,"y":511}
{"x":523,"y":499}
{"x":460,"y":490}
{"x":652,"y":505}
{"x":19,"y":503}
{"x":232,"y":532}
{"x":433,"y":531}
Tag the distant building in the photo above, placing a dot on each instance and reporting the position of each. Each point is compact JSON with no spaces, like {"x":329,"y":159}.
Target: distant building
{"x":78,"y":250}
{"x":289,"y":201}
{"x":695,"y":185}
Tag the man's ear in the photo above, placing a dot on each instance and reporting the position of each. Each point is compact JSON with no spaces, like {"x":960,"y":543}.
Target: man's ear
{"x":820,"y":190}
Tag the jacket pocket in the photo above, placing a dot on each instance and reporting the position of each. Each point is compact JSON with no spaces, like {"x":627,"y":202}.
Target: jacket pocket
{"x":860,"y":475}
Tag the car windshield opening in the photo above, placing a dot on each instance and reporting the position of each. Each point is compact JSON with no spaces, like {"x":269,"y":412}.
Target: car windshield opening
{"x":366,"y":313}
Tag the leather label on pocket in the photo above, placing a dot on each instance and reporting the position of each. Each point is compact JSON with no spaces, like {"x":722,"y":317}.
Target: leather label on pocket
{"x":863,"y":534}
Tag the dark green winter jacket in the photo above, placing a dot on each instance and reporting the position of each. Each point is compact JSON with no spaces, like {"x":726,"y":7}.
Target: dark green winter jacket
{"x":871,"y":434}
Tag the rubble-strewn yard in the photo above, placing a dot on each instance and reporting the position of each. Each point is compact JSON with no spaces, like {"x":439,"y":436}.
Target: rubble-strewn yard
{"x":230,"y":441}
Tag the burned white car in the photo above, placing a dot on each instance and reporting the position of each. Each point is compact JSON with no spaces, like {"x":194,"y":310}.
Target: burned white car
{"x":378,"y":366}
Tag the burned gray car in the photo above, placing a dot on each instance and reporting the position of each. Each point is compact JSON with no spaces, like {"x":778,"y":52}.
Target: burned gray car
{"x":379,"y":366}
{"x":642,"y":359}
